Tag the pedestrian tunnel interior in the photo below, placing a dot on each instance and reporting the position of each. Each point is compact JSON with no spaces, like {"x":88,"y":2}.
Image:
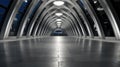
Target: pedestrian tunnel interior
{"x":81,"y":18}
{"x":59,"y":33}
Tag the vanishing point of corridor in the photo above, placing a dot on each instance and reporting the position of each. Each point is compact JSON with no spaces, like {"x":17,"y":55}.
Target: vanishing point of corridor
{"x":59,"y":52}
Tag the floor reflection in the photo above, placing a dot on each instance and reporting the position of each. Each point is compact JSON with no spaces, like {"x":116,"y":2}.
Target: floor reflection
{"x":59,"y":52}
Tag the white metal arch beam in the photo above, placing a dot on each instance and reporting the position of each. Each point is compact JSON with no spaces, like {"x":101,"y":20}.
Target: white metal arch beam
{"x":52,"y":22}
{"x":33,"y":21}
{"x":44,"y":19}
{"x":55,"y":16}
{"x":48,"y":24}
{"x":72,"y":11}
{"x":40,"y":21}
{"x":50,"y":13}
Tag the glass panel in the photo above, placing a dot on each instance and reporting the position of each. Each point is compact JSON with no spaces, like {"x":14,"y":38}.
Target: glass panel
{"x":105,"y":22}
{"x":4,"y":7}
{"x":18,"y":18}
{"x":81,"y":22}
{"x":31,"y":16}
{"x":116,"y":5}
{"x":88,"y":17}
{"x":2,"y":12}
{"x":5,"y":3}
{"x":35,"y":9}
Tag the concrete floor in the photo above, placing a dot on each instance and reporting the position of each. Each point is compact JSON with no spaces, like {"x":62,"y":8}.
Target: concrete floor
{"x":59,"y":52}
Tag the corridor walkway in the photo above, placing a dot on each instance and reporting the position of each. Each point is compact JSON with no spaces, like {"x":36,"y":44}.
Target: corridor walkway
{"x":59,"y":52}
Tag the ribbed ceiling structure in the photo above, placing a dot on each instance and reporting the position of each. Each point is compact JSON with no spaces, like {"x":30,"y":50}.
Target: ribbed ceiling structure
{"x":92,"y":18}
{"x":70,"y":20}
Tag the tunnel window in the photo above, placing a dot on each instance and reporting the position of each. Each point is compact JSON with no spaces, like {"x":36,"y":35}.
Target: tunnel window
{"x":116,"y":6}
{"x":91,"y":22}
{"x":2,"y":12}
{"x":31,"y":16}
{"x":105,"y":22}
{"x":18,"y":18}
{"x":59,"y":32}
{"x":4,"y":8}
{"x":5,"y":3}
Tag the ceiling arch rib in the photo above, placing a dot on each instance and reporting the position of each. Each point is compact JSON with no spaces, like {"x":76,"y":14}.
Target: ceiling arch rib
{"x":36,"y":15}
{"x":67,"y":22}
{"x":50,"y":13}
{"x":64,"y":26}
{"x":70,"y":20}
{"x":46,"y":31}
{"x":73,"y":4}
{"x":47,"y":21}
{"x":70,"y":3}
{"x":26,"y":17}
{"x":42,"y":16}
{"x":52,"y":23}
{"x":94,"y":17}
{"x":50,"y":19}
{"x":87,"y":24}
{"x":77,"y":21}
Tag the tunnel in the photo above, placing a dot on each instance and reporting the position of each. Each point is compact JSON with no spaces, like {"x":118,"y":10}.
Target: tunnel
{"x":59,"y":33}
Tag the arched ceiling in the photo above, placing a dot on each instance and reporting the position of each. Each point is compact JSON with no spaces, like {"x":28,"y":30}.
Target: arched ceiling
{"x":69,"y":18}
{"x":77,"y":17}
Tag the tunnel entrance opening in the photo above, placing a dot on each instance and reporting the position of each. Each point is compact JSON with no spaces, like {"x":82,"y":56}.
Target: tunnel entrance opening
{"x":59,"y":32}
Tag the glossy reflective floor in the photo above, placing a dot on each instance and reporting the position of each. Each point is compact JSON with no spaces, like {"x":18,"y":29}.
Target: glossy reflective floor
{"x":59,"y":52}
